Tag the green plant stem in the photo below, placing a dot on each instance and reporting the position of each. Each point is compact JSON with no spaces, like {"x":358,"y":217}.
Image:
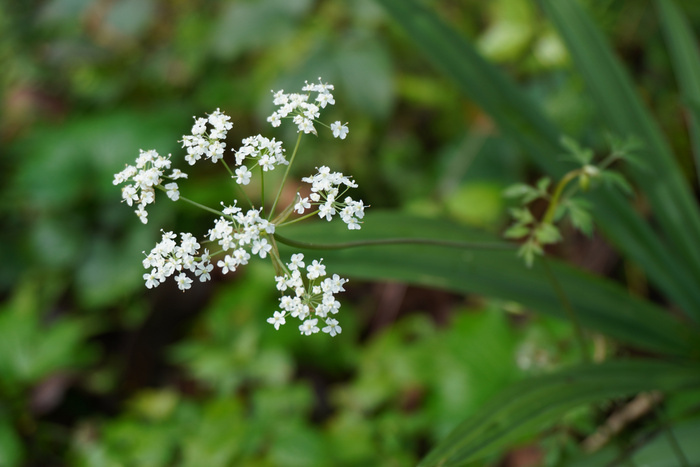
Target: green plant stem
{"x":305,"y":216}
{"x":286,"y":174}
{"x":554,"y":201}
{"x":277,"y":263}
{"x":262,"y":193}
{"x":395,"y":241}
{"x":566,"y":303}
{"x":194,"y":203}
{"x":228,"y":169}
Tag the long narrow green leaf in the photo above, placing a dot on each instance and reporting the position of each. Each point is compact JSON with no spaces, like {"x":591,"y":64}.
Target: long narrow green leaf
{"x":600,"y":304}
{"x":522,"y":120}
{"x":535,"y":402}
{"x":686,"y":63}
{"x":613,"y":92}
{"x":657,"y":451}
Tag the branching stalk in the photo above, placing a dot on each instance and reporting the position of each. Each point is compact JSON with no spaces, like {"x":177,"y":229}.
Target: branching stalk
{"x":286,"y":174}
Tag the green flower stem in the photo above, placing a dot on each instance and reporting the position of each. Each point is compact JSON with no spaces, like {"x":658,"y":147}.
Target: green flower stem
{"x":554,"y":201}
{"x":262,"y":193}
{"x":238,"y":187}
{"x":395,"y":241}
{"x":277,"y":263}
{"x":194,"y":203}
{"x":571,"y":313}
{"x":228,"y":169}
{"x":286,"y":173}
{"x":306,"y":216}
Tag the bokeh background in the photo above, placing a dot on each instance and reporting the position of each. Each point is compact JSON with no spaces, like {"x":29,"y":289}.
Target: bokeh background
{"x":96,"y":370}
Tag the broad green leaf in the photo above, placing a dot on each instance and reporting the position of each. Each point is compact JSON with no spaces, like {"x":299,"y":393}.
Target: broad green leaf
{"x":540,"y":401}
{"x":521,"y":119}
{"x":614,"y":95}
{"x":685,"y":57}
{"x":601,"y":305}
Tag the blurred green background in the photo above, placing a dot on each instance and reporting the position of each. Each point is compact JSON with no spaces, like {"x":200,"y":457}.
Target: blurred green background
{"x":96,"y":370}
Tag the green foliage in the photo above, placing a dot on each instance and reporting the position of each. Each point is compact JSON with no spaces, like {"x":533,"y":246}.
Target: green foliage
{"x":248,"y":408}
{"x":97,"y":371}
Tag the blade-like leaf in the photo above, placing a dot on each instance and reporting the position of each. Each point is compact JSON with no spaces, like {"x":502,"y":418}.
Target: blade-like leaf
{"x":686,"y":63}
{"x":536,"y":402}
{"x":613,"y":92}
{"x":657,"y":450}
{"x":521,"y":119}
{"x":600,"y":304}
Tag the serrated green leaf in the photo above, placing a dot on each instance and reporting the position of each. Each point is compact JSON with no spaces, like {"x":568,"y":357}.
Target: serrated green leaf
{"x":528,"y":251}
{"x":522,"y":215}
{"x":521,"y":190}
{"x":547,"y":234}
{"x":579,"y":215}
{"x":616,"y":180}
{"x":516,"y":231}
{"x":543,"y":184}
{"x":583,"y":156}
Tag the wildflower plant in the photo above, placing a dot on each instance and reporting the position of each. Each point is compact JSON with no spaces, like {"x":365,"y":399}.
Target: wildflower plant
{"x":562,"y":202}
{"x":242,"y":230}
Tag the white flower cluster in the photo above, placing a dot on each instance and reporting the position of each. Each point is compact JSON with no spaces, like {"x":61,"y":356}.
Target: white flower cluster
{"x":237,"y":235}
{"x":313,"y":299}
{"x":211,"y":144}
{"x":303,"y":112}
{"x":147,"y":174}
{"x":267,"y":153}
{"x":241,"y":232}
{"x":325,"y":193}
{"x":167,"y":258}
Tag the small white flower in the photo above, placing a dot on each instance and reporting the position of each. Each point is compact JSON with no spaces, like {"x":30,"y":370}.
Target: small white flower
{"x":240,"y":257}
{"x":309,"y":327}
{"x":281,"y":283}
{"x":315,"y":270}
{"x":203,"y":271}
{"x":353,"y":224}
{"x":227,"y":264}
{"x":301,"y":205}
{"x":172,"y":191}
{"x":277,"y":319}
{"x":261,"y":247}
{"x":296,"y":262}
{"x":326,"y":210}
{"x":243,"y":175}
{"x":339,"y":130}
{"x":151,"y":279}
{"x":183,"y":282}
{"x":177,"y":173}
{"x":332,"y":327}
{"x":141,"y":212}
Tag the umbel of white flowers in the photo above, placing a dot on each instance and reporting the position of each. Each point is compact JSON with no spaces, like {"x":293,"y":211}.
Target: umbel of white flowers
{"x":238,"y":234}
